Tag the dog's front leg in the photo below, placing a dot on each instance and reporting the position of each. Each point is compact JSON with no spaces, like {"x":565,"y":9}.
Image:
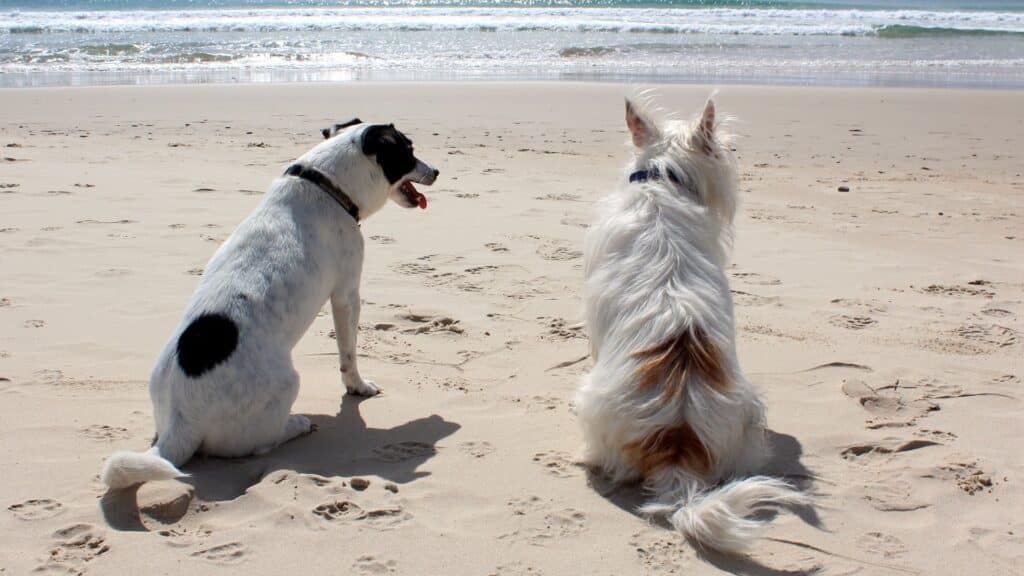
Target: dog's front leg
{"x":345,"y":309}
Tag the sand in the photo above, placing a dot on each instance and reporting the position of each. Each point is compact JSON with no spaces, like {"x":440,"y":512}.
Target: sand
{"x":882,"y":324}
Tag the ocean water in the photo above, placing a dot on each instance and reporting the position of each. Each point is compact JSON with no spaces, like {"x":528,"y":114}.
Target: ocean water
{"x":826,"y":42}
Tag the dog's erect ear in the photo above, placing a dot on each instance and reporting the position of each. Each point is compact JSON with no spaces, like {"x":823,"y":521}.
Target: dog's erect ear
{"x":640,"y":126}
{"x":707,"y":120}
{"x":326,"y":132}
{"x":704,"y":135}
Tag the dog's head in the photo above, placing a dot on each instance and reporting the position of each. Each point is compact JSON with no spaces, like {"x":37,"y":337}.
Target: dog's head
{"x":371,"y":163}
{"x":695,"y":155}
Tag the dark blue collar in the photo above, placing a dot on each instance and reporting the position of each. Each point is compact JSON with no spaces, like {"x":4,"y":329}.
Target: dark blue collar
{"x":654,"y":174}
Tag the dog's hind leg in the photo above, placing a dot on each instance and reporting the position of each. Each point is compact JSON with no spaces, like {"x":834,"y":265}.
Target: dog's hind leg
{"x":179,"y":441}
{"x":345,"y":309}
{"x":297,"y":425}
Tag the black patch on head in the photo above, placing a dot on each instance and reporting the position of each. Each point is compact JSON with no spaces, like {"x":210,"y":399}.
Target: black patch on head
{"x":208,"y":341}
{"x":392,"y":150}
{"x":328,"y":132}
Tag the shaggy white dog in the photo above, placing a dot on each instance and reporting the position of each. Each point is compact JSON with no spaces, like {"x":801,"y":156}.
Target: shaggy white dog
{"x":224,"y":384}
{"x":666,"y":402}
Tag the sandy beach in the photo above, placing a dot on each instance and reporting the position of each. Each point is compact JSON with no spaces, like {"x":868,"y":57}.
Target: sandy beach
{"x":882,"y":324}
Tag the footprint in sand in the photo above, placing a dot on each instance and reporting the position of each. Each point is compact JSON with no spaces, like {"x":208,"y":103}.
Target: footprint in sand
{"x":496,"y":247}
{"x":558,"y":251}
{"x":852,"y":322}
{"x":556,"y":463}
{"x":91,"y":221}
{"x":944,"y":290}
{"x":865,"y":307}
{"x":526,"y":505}
{"x":36,"y":509}
{"x":560,"y":197}
{"x":103,"y":433}
{"x":749,"y":299}
{"x":476,"y":448}
{"x":5,"y":302}
{"x":576,"y":222}
{"x":891,"y":495}
{"x":380,"y":239}
{"x":76,"y":546}
{"x":35,"y":323}
{"x":998,"y":313}
{"x":542,"y":402}
{"x":402,"y":451}
{"x":1005,"y":379}
{"x":369,"y":565}
{"x":967,"y":477}
{"x":427,"y":324}
{"x":891,"y":406}
{"x":341,"y":511}
{"x":755,"y":278}
{"x":344,"y":511}
{"x":409,"y":268}
{"x":867,"y":450}
{"x":559,"y":329}
{"x":936,"y":435}
{"x":881,"y":544}
{"x":557,"y":525}
{"x":990,"y":337}
{"x":659,"y":553}
{"x":515,"y":569}
{"x":224,"y":554}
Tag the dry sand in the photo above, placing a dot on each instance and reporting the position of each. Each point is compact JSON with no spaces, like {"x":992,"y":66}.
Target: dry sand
{"x":883,"y":325}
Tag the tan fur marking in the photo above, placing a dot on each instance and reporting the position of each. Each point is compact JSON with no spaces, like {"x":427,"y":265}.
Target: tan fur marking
{"x":672,"y":362}
{"x":677,"y":446}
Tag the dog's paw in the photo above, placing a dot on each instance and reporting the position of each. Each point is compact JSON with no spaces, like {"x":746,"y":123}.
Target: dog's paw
{"x":363,"y":388}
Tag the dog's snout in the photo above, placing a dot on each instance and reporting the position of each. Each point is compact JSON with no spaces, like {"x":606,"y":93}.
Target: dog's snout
{"x":436,"y":172}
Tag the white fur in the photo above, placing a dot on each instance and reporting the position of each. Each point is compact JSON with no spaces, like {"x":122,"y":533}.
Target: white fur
{"x":654,"y":265}
{"x":298,"y":249}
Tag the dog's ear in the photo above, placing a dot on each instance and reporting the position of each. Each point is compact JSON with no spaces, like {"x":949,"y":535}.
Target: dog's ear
{"x":641,"y":127}
{"x":704,"y":135}
{"x":333,"y":130}
{"x":378,"y":138}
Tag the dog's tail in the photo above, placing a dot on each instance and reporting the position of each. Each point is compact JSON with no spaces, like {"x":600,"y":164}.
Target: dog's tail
{"x":125,"y":469}
{"x":720,"y":519}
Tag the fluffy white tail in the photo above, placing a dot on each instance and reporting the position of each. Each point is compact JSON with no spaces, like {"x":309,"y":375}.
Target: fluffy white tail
{"x":720,"y":519}
{"x":125,"y":469}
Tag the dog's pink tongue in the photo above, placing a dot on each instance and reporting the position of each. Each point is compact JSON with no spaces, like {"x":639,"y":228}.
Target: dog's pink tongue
{"x":423,"y":202}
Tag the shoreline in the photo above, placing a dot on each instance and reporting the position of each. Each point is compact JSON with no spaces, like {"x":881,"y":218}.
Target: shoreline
{"x":656,"y":85}
{"x":16,"y":80}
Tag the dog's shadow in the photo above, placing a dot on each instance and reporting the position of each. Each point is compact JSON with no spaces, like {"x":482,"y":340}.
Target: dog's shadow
{"x":784,"y":463}
{"x":343,"y":445}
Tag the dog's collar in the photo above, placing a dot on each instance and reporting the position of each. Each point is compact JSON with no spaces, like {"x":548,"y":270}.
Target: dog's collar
{"x":654,"y":173}
{"x":324,"y":183}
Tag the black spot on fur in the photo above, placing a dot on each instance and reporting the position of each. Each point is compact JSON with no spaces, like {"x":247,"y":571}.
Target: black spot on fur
{"x":392,"y":150}
{"x":209,"y":340}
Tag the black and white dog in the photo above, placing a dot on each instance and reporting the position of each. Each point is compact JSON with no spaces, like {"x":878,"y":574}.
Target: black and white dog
{"x":224,"y":384}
